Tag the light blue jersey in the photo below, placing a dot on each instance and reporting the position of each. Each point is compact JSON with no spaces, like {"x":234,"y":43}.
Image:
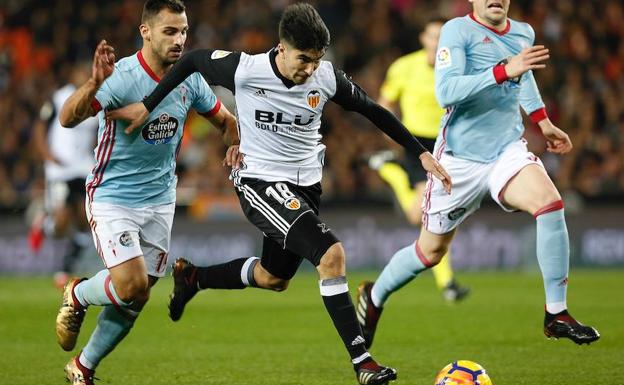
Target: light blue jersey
{"x":483,"y":117}
{"x":138,"y":170}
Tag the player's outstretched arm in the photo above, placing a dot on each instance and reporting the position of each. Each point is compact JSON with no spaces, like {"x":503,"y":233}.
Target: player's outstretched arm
{"x":78,"y":106}
{"x":352,"y":98}
{"x":225,"y":122}
{"x":135,"y":113}
{"x":557,"y":141}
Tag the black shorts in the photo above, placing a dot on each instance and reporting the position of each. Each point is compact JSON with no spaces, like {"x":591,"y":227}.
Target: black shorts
{"x":287,"y":215}
{"x":77,"y":191}
{"x":412,"y":165}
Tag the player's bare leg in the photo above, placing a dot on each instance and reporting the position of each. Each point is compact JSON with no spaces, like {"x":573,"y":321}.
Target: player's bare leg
{"x":452,"y":291}
{"x":531,"y":190}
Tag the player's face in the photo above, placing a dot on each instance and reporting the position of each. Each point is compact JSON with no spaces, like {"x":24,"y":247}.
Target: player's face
{"x":167,"y":35}
{"x":298,"y":65}
{"x":430,"y":36}
{"x":492,"y":12}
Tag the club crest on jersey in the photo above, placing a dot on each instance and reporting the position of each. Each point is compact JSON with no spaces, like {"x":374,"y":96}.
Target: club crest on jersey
{"x":160,"y":130}
{"x":292,"y":204}
{"x":219,"y":54}
{"x":443,"y":58}
{"x":314,"y":98}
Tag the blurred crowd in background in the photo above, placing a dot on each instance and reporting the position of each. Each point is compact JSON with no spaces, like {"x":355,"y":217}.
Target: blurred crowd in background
{"x":583,"y":85}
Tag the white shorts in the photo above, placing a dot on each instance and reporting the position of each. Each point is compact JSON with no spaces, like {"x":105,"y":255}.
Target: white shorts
{"x":122,"y":233}
{"x":471,"y":181}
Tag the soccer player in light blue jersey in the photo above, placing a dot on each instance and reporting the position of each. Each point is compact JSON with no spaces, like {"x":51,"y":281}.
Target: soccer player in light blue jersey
{"x":131,"y":189}
{"x":484,"y":77}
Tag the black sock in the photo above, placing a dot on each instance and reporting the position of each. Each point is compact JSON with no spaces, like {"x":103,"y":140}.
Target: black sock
{"x":338,"y":303}
{"x":227,"y":275}
{"x":76,"y":246}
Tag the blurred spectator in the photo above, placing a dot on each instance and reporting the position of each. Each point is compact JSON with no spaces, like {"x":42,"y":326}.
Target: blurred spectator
{"x":583,"y":86}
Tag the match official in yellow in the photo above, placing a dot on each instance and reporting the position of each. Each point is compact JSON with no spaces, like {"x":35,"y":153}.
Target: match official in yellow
{"x":409,"y":84}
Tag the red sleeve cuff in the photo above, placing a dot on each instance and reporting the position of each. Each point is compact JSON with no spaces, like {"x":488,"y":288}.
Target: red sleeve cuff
{"x":538,"y":115}
{"x":97,"y":107}
{"x":214,"y":110}
{"x":500,"y":74}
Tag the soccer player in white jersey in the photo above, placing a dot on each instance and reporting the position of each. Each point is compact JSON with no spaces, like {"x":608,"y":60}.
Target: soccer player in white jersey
{"x":131,"y":189}
{"x":280,"y":96}
{"x":68,"y":158}
{"x":484,"y":76}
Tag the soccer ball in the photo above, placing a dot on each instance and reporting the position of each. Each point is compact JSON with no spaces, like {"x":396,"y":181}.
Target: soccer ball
{"x":463,"y":373}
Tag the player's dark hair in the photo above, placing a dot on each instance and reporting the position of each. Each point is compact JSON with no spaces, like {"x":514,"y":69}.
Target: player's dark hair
{"x":435,"y":19}
{"x":151,"y":8}
{"x":302,"y":27}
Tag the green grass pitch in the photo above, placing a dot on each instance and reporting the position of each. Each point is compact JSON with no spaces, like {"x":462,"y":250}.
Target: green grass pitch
{"x":254,"y":337}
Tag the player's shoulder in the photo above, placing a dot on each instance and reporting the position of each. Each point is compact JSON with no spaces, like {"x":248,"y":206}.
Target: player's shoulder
{"x":522,"y":28}
{"x":250,"y":60}
{"x":457,"y":23}
{"x":128,"y":64}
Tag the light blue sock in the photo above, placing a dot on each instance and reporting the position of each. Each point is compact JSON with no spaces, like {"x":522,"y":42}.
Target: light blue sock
{"x":404,"y":266}
{"x":98,"y":290}
{"x":112,"y":326}
{"x":553,"y":256}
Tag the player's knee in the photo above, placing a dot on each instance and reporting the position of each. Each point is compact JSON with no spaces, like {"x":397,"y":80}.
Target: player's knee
{"x":267,"y":280}
{"x":545,"y":199}
{"x":433,"y":254}
{"x":333,"y":261}
{"x":277,"y":284}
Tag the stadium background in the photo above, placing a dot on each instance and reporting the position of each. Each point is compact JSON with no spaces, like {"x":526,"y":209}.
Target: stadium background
{"x":252,"y":336}
{"x":583,"y":88}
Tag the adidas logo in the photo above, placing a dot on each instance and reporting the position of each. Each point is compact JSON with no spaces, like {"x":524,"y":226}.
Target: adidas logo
{"x":487,"y":40}
{"x":261,"y":92}
{"x":358,"y":340}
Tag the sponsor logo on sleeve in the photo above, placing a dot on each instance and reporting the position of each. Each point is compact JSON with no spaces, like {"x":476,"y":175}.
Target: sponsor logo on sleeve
{"x":219,"y":54}
{"x":443,"y":58}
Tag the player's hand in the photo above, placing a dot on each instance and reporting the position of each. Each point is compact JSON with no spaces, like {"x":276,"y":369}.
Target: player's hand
{"x":135,"y":113}
{"x":233,"y":157}
{"x":432,"y":165}
{"x":530,"y":58}
{"x":557,"y":141}
{"x":103,"y":62}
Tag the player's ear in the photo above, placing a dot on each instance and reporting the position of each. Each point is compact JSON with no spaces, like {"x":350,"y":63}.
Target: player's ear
{"x":145,"y":32}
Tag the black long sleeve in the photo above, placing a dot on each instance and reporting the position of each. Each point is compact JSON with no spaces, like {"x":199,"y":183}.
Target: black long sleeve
{"x":218,"y":67}
{"x":352,"y":98}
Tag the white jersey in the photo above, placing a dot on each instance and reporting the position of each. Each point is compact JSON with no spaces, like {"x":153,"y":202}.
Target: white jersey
{"x":72,"y":147}
{"x":279,"y":121}
{"x":279,"y":126}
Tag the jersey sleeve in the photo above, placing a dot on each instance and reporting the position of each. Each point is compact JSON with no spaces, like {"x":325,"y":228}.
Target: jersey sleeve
{"x":530,"y":98}
{"x":205,"y":101}
{"x":108,"y":97}
{"x":452,"y":85}
{"x":353,"y":98}
{"x":218,"y":67}
{"x":392,"y":86}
